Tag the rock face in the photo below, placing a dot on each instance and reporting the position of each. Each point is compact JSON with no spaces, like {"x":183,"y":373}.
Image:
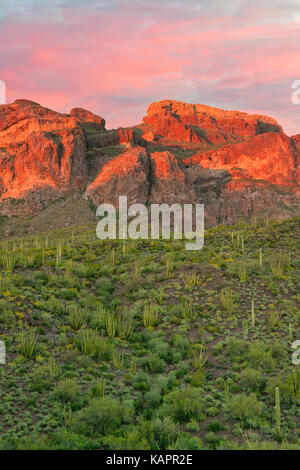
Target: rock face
{"x":195,"y":123}
{"x":170,"y":181}
{"x":125,"y":175}
{"x":237,"y":164}
{"x":267,"y":157}
{"x":296,"y":152}
{"x":86,"y":117}
{"x":130,"y":174}
{"x":41,"y":153}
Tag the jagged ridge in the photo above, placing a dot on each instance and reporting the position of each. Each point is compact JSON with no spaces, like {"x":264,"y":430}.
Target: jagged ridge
{"x":238,"y":164}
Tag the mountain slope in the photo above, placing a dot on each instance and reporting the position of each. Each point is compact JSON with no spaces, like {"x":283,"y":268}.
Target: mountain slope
{"x":238,"y":164}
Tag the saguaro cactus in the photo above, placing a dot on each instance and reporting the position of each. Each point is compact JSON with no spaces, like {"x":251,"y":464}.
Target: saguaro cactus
{"x":277,"y":409}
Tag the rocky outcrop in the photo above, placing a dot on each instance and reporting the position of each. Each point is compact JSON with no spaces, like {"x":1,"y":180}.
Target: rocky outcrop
{"x":125,"y":175}
{"x":155,"y":178}
{"x":41,"y":153}
{"x":296,"y":153}
{"x":205,"y":179}
{"x":127,"y":136}
{"x":195,"y":123}
{"x":267,"y":157}
{"x":169,"y":181}
{"x":245,"y":199}
{"x":86,"y":117}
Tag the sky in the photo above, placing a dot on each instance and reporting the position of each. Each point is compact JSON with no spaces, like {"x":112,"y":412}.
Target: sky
{"x":115,"y":57}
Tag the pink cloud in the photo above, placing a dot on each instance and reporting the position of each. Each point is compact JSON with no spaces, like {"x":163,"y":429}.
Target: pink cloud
{"x":115,"y":61}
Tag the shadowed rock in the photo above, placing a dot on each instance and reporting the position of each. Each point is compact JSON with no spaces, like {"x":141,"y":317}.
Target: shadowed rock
{"x":125,"y":175}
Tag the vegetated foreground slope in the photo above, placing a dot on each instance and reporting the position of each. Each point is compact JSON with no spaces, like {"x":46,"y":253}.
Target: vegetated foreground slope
{"x":143,"y":345}
{"x":239,"y":165}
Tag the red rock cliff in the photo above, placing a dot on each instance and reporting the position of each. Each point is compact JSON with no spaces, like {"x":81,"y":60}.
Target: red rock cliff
{"x":196,"y":123}
{"x":232,"y":161}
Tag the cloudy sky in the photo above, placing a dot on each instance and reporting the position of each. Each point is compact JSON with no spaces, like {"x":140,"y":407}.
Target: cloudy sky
{"x":115,"y":57}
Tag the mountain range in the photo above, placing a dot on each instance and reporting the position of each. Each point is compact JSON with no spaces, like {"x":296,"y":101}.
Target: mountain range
{"x":239,"y":165}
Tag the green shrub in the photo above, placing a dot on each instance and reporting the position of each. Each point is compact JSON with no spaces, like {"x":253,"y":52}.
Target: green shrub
{"x":215,"y":426}
{"x":260,"y":356}
{"x":251,"y":379}
{"x":181,"y":345}
{"x":153,"y":398}
{"x":102,"y":416}
{"x":41,"y":379}
{"x":165,"y":432}
{"x":7,"y":319}
{"x":236,"y":348}
{"x":67,"y":391}
{"x":55,"y":306}
{"x":244,"y":407}
{"x":192,"y":426}
{"x":213,"y":440}
{"x":183,"y":404}
{"x":141,"y":381}
{"x":187,"y":442}
{"x":289,"y":386}
{"x":156,"y":364}
{"x":161,"y":347}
